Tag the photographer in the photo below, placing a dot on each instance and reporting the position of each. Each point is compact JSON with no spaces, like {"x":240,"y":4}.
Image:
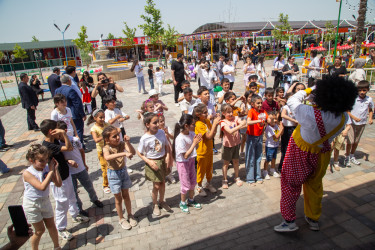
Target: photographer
{"x":105,"y":86}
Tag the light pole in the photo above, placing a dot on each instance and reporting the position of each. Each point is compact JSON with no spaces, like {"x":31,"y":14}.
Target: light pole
{"x":63,"y":32}
{"x":11,"y":59}
{"x":337,"y":31}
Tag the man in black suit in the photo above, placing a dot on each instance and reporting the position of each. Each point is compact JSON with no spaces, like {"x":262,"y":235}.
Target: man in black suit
{"x":54,"y":81}
{"x":74,"y":102}
{"x":29,"y":101}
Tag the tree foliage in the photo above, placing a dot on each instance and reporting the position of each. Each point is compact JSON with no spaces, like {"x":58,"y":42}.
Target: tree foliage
{"x":170,"y":36}
{"x":153,"y":26}
{"x":19,"y":52}
{"x":129,"y":35}
{"x":110,"y":36}
{"x":330,"y":32}
{"x":281,"y":30}
{"x":1,"y":55}
{"x":34,"y":39}
{"x":84,"y":46}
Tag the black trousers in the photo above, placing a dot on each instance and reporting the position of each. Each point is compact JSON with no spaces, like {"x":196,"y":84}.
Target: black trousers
{"x":177,"y":91}
{"x":231,"y":85}
{"x":278,"y":78}
{"x":31,"y":119}
{"x":285,"y":137}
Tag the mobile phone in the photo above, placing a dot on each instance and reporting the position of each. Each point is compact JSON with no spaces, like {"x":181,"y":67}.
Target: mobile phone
{"x":19,"y":220}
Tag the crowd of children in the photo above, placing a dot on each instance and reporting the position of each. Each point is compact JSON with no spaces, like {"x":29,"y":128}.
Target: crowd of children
{"x":251,"y":125}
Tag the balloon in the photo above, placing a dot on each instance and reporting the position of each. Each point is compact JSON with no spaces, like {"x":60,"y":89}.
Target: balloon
{"x":91,"y":71}
{"x":100,"y":69}
{"x":287,"y":49}
{"x":96,"y":70}
{"x":82,"y":70}
{"x":192,"y":74}
{"x":191,"y":67}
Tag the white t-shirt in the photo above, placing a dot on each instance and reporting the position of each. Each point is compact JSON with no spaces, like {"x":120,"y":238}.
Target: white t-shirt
{"x":57,"y":116}
{"x":360,"y":110}
{"x":270,"y":132}
{"x":289,"y":113}
{"x":159,"y":76}
{"x":153,"y":146}
{"x":315,"y":62}
{"x":235,"y":57}
{"x":279,"y":65}
{"x":74,"y":155}
{"x":136,"y":71}
{"x":110,"y":114}
{"x":261,"y":69}
{"x":31,"y":192}
{"x":210,"y":108}
{"x":206,"y":79}
{"x":185,"y":105}
{"x":229,"y":68}
{"x":183,"y":143}
{"x":220,"y":94}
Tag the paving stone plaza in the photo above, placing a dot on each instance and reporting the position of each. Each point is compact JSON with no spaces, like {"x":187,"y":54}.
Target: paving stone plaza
{"x":235,"y":218}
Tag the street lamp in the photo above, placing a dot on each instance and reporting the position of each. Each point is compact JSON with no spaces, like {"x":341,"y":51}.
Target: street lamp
{"x":62,"y":32}
{"x":337,"y":30}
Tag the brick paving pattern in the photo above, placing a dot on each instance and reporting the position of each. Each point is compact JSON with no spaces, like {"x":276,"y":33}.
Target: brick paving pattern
{"x":236,"y":218}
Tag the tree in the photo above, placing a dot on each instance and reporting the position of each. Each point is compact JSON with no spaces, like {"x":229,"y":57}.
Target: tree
{"x":1,"y":55}
{"x":153,"y":26}
{"x":359,"y":36}
{"x":35,"y":39}
{"x":84,"y":46}
{"x":110,"y":36}
{"x":329,"y":35}
{"x":170,"y":36}
{"x":129,"y":35}
{"x":20,"y":53}
{"x":281,"y":31}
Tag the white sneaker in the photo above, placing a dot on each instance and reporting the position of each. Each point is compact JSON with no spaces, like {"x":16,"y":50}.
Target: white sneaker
{"x":129,"y":171}
{"x":65,"y":234}
{"x":286,"y":227}
{"x":201,"y":191}
{"x":177,"y":104}
{"x":267,"y":177}
{"x":347,"y":162}
{"x":313,"y":225}
{"x":276,"y":175}
{"x":354,"y":161}
{"x":210,"y":188}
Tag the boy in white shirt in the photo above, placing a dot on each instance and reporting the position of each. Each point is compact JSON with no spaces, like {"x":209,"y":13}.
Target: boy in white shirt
{"x":225,"y":84}
{"x":188,"y":100}
{"x":159,"y":74}
{"x":363,"y":106}
{"x":235,"y":58}
{"x":113,"y":115}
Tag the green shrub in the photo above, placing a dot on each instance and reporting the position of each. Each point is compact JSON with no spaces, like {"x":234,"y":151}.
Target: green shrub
{"x":169,"y":81}
{"x":10,"y":102}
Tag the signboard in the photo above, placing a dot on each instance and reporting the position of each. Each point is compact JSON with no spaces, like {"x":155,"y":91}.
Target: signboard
{"x":118,"y":42}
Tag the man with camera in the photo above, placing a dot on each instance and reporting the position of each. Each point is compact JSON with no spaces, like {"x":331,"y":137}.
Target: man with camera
{"x":106,"y":86}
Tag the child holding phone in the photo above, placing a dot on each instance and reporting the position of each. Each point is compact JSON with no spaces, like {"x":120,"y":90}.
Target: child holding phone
{"x":36,"y":203}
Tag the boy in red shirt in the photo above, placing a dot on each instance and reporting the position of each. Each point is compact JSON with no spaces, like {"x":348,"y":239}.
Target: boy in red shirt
{"x":256,"y":120}
{"x":270,"y":104}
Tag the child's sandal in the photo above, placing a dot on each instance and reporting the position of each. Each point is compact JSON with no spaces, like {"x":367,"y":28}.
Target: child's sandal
{"x":239,"y":182}
{"x":225,"y":184}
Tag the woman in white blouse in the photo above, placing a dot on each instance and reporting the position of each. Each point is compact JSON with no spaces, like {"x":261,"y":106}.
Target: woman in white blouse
{"x":229,"y":71}
{"x":313,"y":68}
{"x":209,"y":79}
{"x":279,"y":65}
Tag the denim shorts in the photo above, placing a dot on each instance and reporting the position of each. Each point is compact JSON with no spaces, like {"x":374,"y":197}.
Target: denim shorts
{"x":118,"y":180}
{"x":271,"y":153}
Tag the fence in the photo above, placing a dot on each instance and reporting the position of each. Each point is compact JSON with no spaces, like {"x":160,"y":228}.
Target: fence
{"x":36,"y":64}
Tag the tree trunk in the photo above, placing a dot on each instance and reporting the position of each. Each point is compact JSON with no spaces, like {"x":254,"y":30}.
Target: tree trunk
{"x":361,"y":26}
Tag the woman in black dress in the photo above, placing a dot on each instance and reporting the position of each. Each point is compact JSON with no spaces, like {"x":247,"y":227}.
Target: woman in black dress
{"x":90,"y":85}
{"x":105,"y":86}
{"x":337,"y":69}
{"x":35,"y":85}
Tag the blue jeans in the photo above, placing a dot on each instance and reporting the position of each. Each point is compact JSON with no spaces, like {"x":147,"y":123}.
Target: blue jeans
{"x":253,"y":158}
{"x":3,"y":168}
{"x":2,"y":134}
{"x":80,"y":126}
{"x":212,"y":96}
{"x":262,"y":90}
{"x":85,"y":181}
{"x":151,"y":82}
{"x":141,"y":84}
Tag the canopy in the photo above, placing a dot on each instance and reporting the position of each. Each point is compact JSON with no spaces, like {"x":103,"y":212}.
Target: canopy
{"x":318,"y":48}
{"x":344,"y":47}
{"x":369,"y":45}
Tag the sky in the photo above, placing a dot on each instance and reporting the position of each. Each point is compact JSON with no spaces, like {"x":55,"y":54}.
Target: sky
{"x":22,"y":19}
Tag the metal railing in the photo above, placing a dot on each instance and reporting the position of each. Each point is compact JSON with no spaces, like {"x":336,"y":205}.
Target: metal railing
{"x":35,"y":64}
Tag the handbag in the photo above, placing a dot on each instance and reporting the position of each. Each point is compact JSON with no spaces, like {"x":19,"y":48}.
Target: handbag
{"x":274,"y":73}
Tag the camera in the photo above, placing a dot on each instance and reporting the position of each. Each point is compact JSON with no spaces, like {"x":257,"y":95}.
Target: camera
{"x":105,"y":81}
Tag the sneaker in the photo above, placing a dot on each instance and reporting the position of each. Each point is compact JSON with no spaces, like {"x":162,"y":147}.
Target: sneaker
{"x":194,"y":204}
{"x":215,"y":151}
{"x":184,"y":208}
{"x":156,"y":210}
{"x":211,"y":188}
{"x":201,"y":191}
{"x":267,"y":177}
{"x":125,"y":224}
{"x":314,"y":225}
{"x":98,"y":203}
{"x":107,"y":190}
{"x":177,"y":104}
{"x":165,"y":207}
{"x":242,"y":156}
{"x":347,"y":162}
{"x":239,"y":182}
{"x":354,"y":161}
{"x":336,"y":166}
{"x":129,"y":171}
{"x":286,"y":227}
{"x":132,"y":221}
{"x":80,"y":219}
{"x":65,"y":235}
{"x":276,"y":175}
{"x":224,"y":184}
{"x":84,"y":213}
{"x":171,"y":179}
